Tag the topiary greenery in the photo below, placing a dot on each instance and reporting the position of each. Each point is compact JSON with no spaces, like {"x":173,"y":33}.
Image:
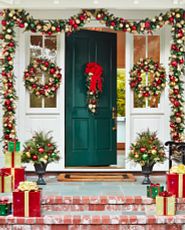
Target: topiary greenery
{"x":40,"y":148}
{"x":147,"y":149}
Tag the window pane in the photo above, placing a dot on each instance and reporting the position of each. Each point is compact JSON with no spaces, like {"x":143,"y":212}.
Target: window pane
{"x":154,"y":102}
{"x":139,"y":102}
{"x":50,"y":47}
{"x":154,"y":48}
{"x":50,"y":102}
{"x":35,"y":102}
{"x":139,"y":48}
{"x":36,"y":47}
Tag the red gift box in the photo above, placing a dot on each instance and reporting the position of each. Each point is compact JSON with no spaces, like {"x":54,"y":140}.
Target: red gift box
{"x":176,"y":184}
{"x":27,"y":203}
{"x":17,"y":175}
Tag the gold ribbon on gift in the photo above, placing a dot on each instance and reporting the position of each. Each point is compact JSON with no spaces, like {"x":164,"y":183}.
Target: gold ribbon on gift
{"x":13,"y":177}
{"x":26,"y":203}
{"x":180,"y":170}
{"x":180,"y":185}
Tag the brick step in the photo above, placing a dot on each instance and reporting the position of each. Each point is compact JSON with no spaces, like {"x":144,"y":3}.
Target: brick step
{"x":93,"y":227}
{"x":102,"y":203}
{"x":94,"y":218}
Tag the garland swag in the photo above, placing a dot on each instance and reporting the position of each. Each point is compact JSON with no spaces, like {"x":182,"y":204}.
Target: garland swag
{"x":20,"y":18}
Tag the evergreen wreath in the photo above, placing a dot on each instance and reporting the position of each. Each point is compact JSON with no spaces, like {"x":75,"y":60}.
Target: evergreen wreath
{"x":94,"y":84}
{"x":157,"y":83}
{"x":32,"y":81}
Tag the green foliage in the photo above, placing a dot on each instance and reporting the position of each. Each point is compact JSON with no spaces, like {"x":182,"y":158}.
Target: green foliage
{"x":147,"y":149}
{"x":120,"y":92}
{"x":40,"y":148}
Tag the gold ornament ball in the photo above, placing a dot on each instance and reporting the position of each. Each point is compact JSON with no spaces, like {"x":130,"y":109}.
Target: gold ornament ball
{"x":153,"y":151}
{"x":178,"y":120}
{"x":53,"y":28}
{"x":28,"y":154}
{"x":178,"y":15}
{"x":46,"y":157}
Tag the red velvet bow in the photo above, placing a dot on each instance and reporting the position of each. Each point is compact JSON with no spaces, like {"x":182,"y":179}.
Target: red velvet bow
{"x":154,"y":185}
{"x":96,"y":80}
{"x":165,"y":194}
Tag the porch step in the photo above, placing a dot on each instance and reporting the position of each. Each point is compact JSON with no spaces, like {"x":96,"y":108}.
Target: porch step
{"x":91,"y":177}
{"x":93,"y":221}
{"x":97,"y":213}
{"x":103,"y":203}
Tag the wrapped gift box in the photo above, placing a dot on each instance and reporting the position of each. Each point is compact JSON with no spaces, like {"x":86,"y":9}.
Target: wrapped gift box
{"x":5,"y":208}
{"x":17,"y":175}
{"x":5,"y":181}
{"x":175,"y":180}
{"x":165,"y":204}
{"x":14,"y":146}
{"x":12,"y":159}
{"x":153,"y":190}
{"x":26,"y":203}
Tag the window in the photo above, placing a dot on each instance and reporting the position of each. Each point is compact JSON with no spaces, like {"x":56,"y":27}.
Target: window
{"x":45,"y":47}
{"x":146,"y":47}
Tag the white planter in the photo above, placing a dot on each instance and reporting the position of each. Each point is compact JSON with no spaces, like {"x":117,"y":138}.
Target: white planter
{"x":121,"y":127}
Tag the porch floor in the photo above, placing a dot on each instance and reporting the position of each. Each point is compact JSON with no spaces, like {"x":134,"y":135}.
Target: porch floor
{"x":97,"y":188}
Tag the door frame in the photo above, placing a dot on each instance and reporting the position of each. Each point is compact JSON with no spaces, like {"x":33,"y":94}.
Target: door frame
{"x":85,"y":169}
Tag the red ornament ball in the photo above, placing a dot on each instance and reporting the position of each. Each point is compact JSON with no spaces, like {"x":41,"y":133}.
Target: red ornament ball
{"x":34,"y":157}
{"x":52,"y":70}
{"x":3,"y":22}
{"x":142,"y":149}
{"x":176,"y":103}
{"x":174,"y":63}
{"x":49,"y":144}
{"x":11,"y":44}
{"x":41,"y":150}
{"x":21,"y":25}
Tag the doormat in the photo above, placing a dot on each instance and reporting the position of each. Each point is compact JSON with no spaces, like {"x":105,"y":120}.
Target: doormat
{"x":92,"y":177}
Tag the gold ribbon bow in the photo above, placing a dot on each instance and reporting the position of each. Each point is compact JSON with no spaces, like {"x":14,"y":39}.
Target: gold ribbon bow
{"x":28,"y":186}
{"x":179,"y":169}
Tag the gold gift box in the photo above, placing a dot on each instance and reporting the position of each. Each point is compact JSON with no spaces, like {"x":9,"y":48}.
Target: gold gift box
{"x":165,"y":206}
{"x":5,"y":183}
{"x":13,"y":160}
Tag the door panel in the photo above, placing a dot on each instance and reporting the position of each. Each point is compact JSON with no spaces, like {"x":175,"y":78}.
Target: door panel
{"x":90,"y":140}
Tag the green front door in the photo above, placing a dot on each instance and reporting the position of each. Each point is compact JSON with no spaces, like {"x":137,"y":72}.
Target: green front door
{"x":90,"y":139}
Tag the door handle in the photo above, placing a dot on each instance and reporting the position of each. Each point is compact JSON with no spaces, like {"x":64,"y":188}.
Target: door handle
{"x":113,"y":113}
{"x":114,"y":116}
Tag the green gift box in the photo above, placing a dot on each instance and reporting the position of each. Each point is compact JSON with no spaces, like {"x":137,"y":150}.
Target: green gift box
{"x":5,"y":208}
{"x":153,"y":190}
{"x":14,"y":146}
